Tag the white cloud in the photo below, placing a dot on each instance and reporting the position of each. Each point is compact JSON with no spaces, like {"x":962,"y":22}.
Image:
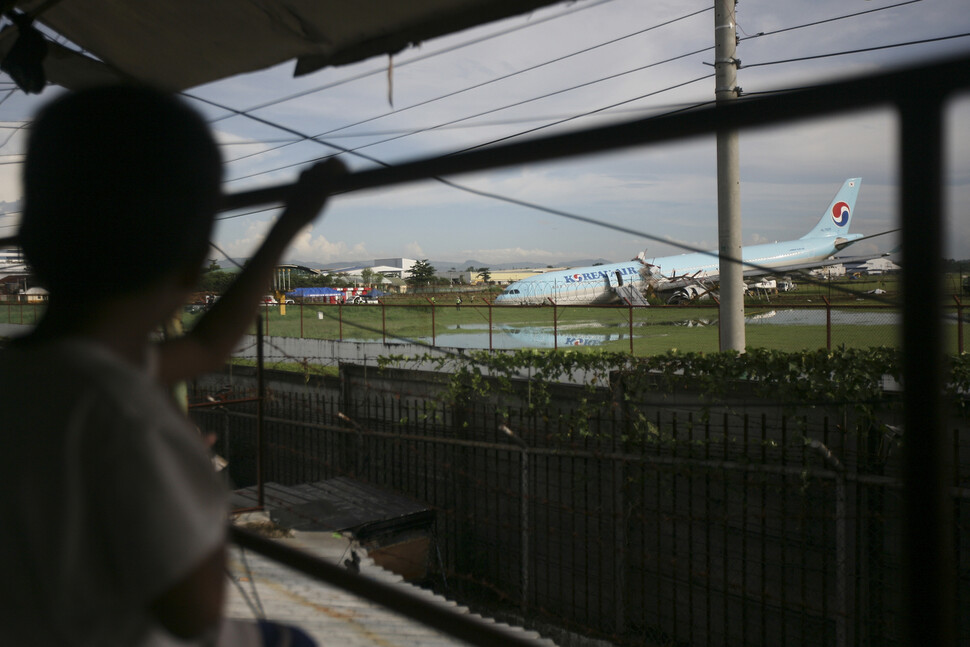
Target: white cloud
{"x":305,"y":246}
{"x":511,"y":255}
{"x":414,"y":250}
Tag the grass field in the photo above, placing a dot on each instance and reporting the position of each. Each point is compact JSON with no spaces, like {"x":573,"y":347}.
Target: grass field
{"x":655,"y":329}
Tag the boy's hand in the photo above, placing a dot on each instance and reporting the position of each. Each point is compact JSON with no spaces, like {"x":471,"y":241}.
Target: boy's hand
{"x":310,"y":194}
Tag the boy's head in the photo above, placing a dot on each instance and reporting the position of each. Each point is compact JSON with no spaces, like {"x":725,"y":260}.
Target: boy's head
{"x":120,"y":188}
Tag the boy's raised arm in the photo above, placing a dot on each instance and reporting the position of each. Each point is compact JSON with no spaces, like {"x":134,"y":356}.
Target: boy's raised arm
{"x":206,"y":347}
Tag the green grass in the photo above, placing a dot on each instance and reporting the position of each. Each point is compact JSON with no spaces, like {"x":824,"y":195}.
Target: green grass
{"x":654,"y":328}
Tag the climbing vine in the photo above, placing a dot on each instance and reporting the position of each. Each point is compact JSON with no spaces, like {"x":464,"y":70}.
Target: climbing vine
{"x":861,"y":380}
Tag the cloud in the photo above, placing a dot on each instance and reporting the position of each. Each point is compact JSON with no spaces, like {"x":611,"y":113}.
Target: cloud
{"x":305,"y":246}
{"x":511,"y":254}
{"x":413,"y":250}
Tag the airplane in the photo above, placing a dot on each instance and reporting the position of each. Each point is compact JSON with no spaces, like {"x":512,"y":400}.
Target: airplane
{"x":693,"y":275}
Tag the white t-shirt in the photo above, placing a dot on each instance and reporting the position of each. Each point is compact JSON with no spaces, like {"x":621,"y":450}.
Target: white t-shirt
{"x":107,"y":497}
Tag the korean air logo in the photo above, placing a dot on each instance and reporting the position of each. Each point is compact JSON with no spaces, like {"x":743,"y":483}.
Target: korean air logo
{"x":840,"y":214}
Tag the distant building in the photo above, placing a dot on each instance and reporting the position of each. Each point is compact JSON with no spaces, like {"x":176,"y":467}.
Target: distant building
{"x":397,"y":267}
{"x":829,"y":271}
{"x":881,"y":265}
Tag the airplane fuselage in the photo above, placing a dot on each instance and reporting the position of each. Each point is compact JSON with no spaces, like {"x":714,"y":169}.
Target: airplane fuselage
{"x":600,"y":283}
{"x":597,"y":284}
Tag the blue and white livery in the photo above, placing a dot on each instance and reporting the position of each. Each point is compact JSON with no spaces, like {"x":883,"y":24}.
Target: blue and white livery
{"x":687,"y":276}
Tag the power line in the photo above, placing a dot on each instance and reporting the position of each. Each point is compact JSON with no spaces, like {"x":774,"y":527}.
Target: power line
{"x":859,"y":51}
{"x":518,"y":72}
{"x":505,"y":107}
{"x":828,"y":20}
{"x":585,"y":114}
{"x":497,"y":79}
{"x":592,"y":112}
{"x":423,"y":57}
{"x":400,"y":134}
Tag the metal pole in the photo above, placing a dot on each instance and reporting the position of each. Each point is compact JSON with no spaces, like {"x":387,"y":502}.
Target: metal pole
{"x":555,"y":325}
{"x":431,"y":301}
{"x":928,"y":597}
{"x":731,"y":321}
{"x":260,"y":394}
{"x":828,"y":323}
{"x":489,"y":324}
{"x":959,"y":324}
{"x":631,"y":327}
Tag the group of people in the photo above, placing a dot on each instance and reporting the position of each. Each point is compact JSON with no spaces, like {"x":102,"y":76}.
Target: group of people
{"x":114,"y":529}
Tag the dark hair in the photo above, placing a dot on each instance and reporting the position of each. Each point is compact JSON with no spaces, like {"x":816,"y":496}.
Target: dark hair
{"x":120,"y":187}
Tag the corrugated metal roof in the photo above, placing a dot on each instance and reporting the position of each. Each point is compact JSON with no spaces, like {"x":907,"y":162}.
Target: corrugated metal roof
{"x":333,"y":617}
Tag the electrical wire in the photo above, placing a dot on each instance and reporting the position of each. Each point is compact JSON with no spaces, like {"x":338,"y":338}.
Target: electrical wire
{"x":859,"y":51}
{"x":499,"y":78}
{"x":485,"y":112}
{"x":423,"y":57}
{"x":827,"y":20}
{"x":592,"y":112}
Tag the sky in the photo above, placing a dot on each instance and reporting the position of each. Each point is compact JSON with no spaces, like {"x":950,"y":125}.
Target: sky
{"x":610,"y":53}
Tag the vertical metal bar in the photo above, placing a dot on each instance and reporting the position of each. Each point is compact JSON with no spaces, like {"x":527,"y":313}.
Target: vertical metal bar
{"x":555,"y":325}
{"x":928,"y":596}
{"x":959,"y":324}
{"x":828,"y":322}
{"x":489,"y":303}
{"x":340,"y":320}
{"x":384,"y":322}
{"x":631,"y":327}
{"x":525,"y":526}
{"x":260,"y":394}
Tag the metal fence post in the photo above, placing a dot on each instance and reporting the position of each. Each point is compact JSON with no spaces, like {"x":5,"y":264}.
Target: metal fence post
{"x":260,"y":394}
{"x":523,"y":512}
{"x":828,"y":322}
{"x":489,"y":324}
{"x":959,"y":324}
{"x":555,"y":325}
{"x":631,"y":326}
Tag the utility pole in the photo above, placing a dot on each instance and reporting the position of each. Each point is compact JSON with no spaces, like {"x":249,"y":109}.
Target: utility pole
{"x":731,"y":319}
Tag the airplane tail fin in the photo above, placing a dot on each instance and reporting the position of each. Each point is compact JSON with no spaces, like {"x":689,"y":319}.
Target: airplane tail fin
{"x":836,"y":219}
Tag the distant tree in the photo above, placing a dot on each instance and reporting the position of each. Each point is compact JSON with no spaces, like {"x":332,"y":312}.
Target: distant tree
{"x":485,"y":275}
{"x":421,"y":273}
{"x":367,"y":276}
{"x":213,"y":266}
{"x":217,"y":281}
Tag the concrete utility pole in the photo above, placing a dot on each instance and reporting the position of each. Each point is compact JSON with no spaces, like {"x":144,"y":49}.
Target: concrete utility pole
{"x":728,"y":182}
